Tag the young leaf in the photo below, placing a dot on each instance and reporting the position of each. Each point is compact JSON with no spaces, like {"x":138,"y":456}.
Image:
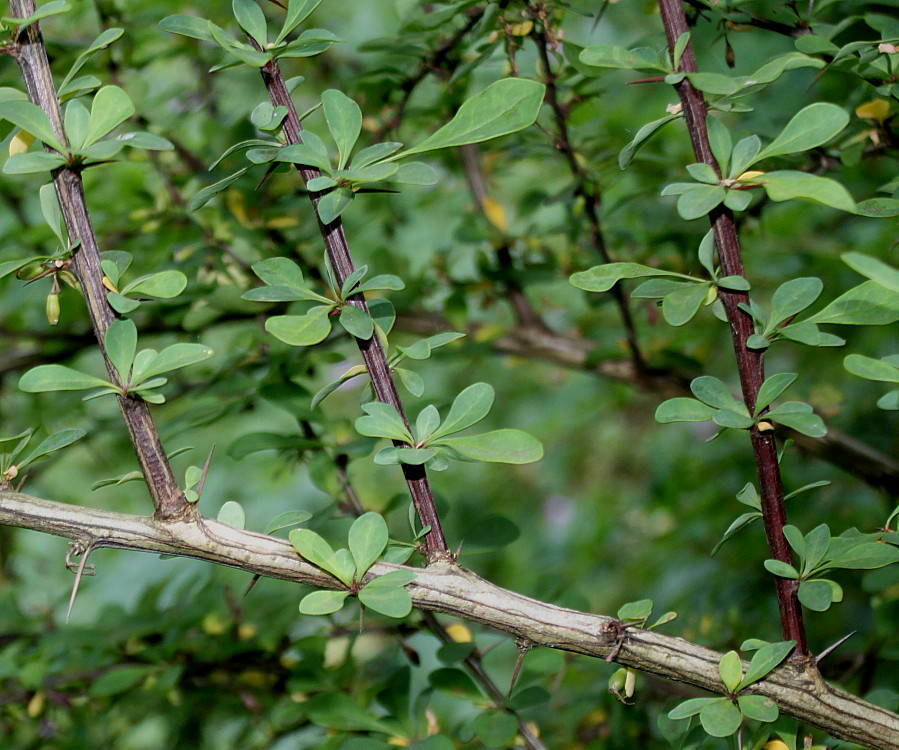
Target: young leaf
{"x":604,"y":277}
{"x":323,"y":602}
{"x":772,"y":388}
{"x":764,"y":660}
{"x":731,"y":670}
{"x":502,"y":446}
{"x":427,"y":422}
{"x":331,"y":205}
{"x":301,"y":330}
{"x":55,"y":442}
{"x":791,"y":298}
{"x":382,"y":420}
{"x":105,"y":38}
{"x":297,"y":12}
{"x":251,"y":19}
{"x":744,"y":155}
{"x":504,"y":107}
{"x":681,"y":305}
{"x":287,"y":519}
{"x":713,"y":392}
{"x":781,"y":569}
{"x":787,"y":185}
{"x":58,"y":378}
{"x":162,"y":285}
{"x":356,"y":322}
{"x":232,"y":514}
{"x":121,"y":345}
{"x":689,"y":708}
{"x":367,"y":540}
{"x":111,"y":107}
{"x":317,"y":551}
{"x":469,"y":408}
{"x":386,"y":594}
{"x":720,"y":718}
{"x":173,"y":357}
{"x":344,"y":120}
{"x":682,"y":409}
{"x":643,"y":135}
{"x":812,"y":126}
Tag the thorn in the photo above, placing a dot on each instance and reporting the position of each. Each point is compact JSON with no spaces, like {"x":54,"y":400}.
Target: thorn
{"x":835,"y":646}
{"x":523,"y":645}
{"x":205,"y":471}
{"x":77,"y":549}
{"x":252,"y":583}
{"x":267,"y":174}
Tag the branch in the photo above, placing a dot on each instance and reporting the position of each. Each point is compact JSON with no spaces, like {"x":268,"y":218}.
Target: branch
{"x":30,"y":54}
{"x":443,"y":586}
{"x":750,"y":364}
{"x":373,"y":354}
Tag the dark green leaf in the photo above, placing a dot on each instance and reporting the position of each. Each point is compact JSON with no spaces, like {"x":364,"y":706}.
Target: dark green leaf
{"x":772,"y":388}
{"x":297,"y":12}
{"x":609,"y":56}
{"x":781,"y":569}
{"x":758,"y":707}
{"x":720,"y":718}
{"x":356,"y":322}
{"x":874,"y":269}
{"x":31,"y":118}
{"x":495,"y":728}
{"x":286,"y":520}
{"x":680,"y":306}
{"x":55,"y":442}
{"x":764,"y":660}
{"x":344,"y":121}
{"x":58,"y":378}
{"x":870,"y":303}
{"x":812,"y":126}
{"x":121,"y":346}
{"x":604,"y":277}
{"x":251,"y":19}
{"x":469,"y":408}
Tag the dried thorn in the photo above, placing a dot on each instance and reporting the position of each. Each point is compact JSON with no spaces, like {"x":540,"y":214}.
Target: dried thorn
{"x":25,"y":476}
{"x":252,"y":583}
{"x":205,"y":471}
{"x":649,"y":79}
{"x":76,"y":548}
{"x":833,"y":647}
{"x":523,"y":645}
{"x":616,"y":628}
{"x":458,"y":550}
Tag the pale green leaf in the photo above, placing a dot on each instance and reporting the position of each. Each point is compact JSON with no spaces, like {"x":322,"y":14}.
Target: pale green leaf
{"x":232,"y":514}
{"x":367,"y":540}
{"x":110,"y":108}
{"x":502,"y":446}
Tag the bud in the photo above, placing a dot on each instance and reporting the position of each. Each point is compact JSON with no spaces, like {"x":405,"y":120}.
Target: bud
{"x":53,"y":308}
{"x":69,"y":278}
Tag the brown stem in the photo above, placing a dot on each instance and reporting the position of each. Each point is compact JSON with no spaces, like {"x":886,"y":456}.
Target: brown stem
{"x":31,"y":56}
{"x":583,"y":187}
{"x":750,"y":364}
{"x":372,"y":354}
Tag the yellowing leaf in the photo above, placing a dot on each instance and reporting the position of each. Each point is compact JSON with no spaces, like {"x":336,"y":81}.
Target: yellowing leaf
{"x":750,"y":175}
{"x":459,"y":633}
{"x":521,"y":29}
{"x":36,"y":705}
{"x":495,"y":214}
{"x":876,"y":109}
{"x":776,"y":745}
{"x":282,"y":222}
{"x":234,"y":201}
{"x":20,"y":142}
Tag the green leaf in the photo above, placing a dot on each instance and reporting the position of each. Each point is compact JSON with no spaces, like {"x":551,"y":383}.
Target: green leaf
{"x":643,"y":135}
{"x":604,"y":277}
{"x":53,"y":443}
{"x":415,"y":173}
{"x":866,"y":556}
{"x":310,"y":42}
{"x":413,"y":456}
{"x":301,"y":330}
{"x":53,"y":8}
{"x":609,"y":56}
{"x":764,"y":660}
{"x":495,"y":728}
{"x":469,"y":408}
{"x":232,"y":514}
{"x":317,"y":551}
{"x":772,"y":388}
{"x":874,"y":269}
{"x":744,"y":155}
{"x":146,"y":141}
{"x":33,"y":162}
{"x":251,"y":19}
{"x":382,"y":420}
{"x":737,"y":420}
{"x":787,"y":185}
{"x":791,"y":298}
{"x":76,"y":122}
{"x":690,"y":707}
{"x":773,"y":69}
{"x":781,"y":569}
{"x":356,"y":322}
{"x":682,"y":409}
{"x":344,"y":120}
{"x":384,"y":281}
{"x":386,"y":594}
{"x":280,"y":272}
{"x":808,"y":424}
{"x":720,"y":718}
{"x":869,"y":303}
{"x":713,"y":83}
{"x":740,"y":523}
{"x":105,"y":38}
{"x":31,"y":118}
{"x":111,"y":107}
{"x":501,"y":446}
{"x":58,"y":378}
{"x":816,"y":594}
{"x":297,"y":12}
{"x":721,"y":144}
{"x":731,"y":670}
{"x":52,"y":213}
{"x":713,"y":392}
{"x":427,"y":422}
{"x":333,"y":204}
{"x":504,"y":107}
{"x":680,"y":306}
{"x":699,"y":200}
{"x":202,"y":197}
{"x":121,"y":346}
{"x":303,"y":154}
{"x":639,"y":610}
{"x":323,"y":602}
{"x":812,"y":126}
{"x":119,"y":680}
{"x":758,"y":707}
{"x":162,"y":285}
{"x":878,"y":208}
{"x":367,"y":540}
{"x":286,"y":520}
{"x":871,"y":369}
{"x":173,"y":357}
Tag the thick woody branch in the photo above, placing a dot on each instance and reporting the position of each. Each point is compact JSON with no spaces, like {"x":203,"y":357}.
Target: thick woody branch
{"x":444,"y":587}
{"x":31,"y":56}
